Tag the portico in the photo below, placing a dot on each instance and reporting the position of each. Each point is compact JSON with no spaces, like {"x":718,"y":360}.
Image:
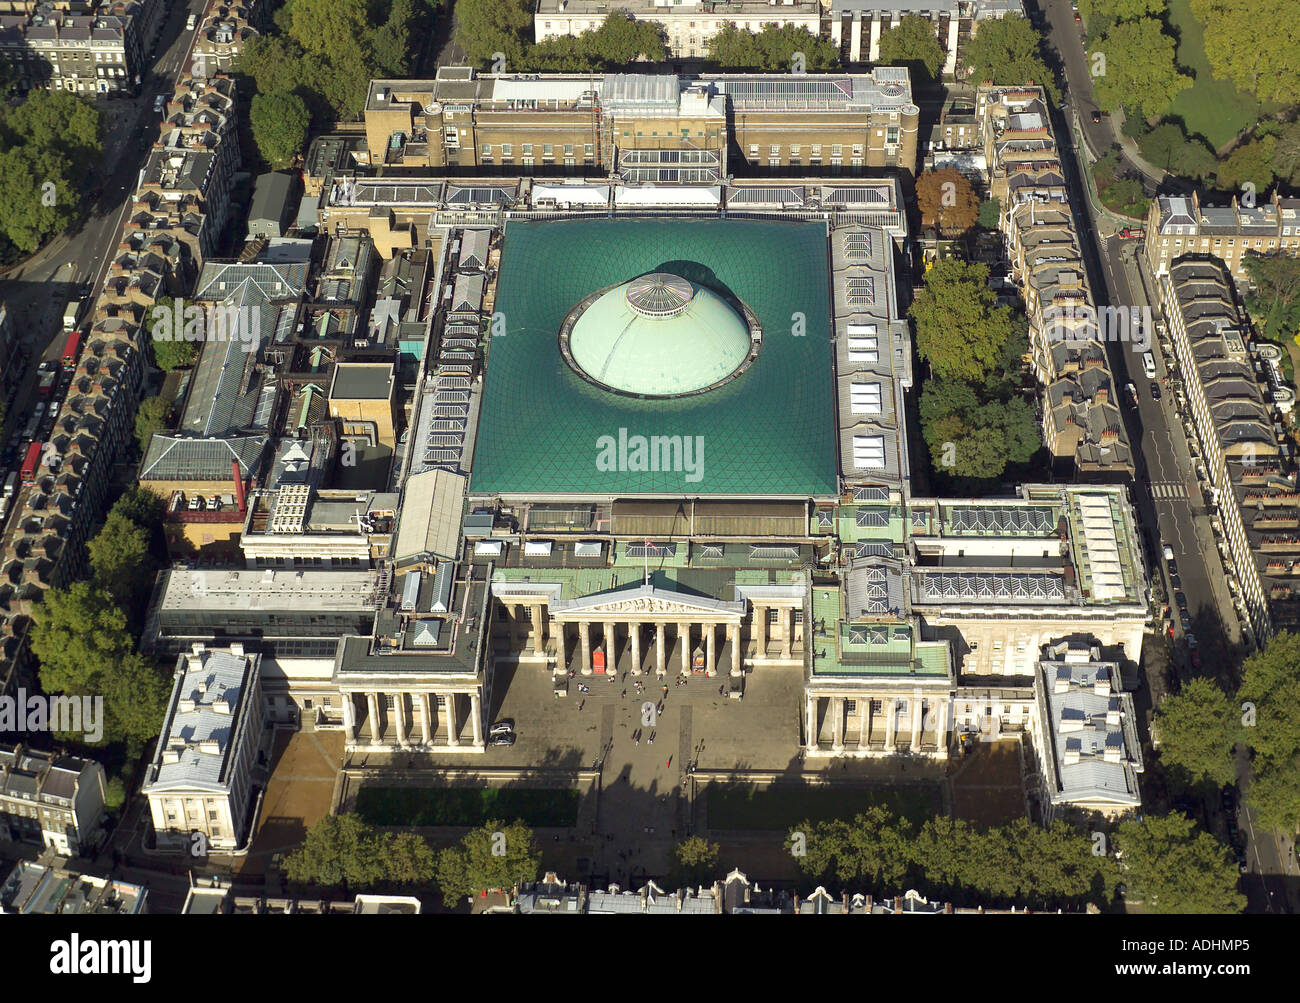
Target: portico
{"x":385,"y":717}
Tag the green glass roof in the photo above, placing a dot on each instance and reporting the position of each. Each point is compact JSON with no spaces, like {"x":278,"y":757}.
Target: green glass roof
{"x":690,"y":344}
{"x":770,"y":431}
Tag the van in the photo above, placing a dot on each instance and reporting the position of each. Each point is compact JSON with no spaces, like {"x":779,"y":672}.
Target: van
{"x":190,"y":22}
{"x":11,"y":484}
{"x":1149,"y":365}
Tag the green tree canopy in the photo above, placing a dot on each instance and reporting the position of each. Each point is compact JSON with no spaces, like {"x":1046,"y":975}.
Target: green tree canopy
{"x":914,"y":44}
{"x":1198,"y":729}
{"x":79,"y":634}
{"x":487,"y":27}
{"x":1121,"y":10}
{"x":773,"y":48}
{"x":1138,"y":68}
{"x":619,"y":42}
{"x":989,"y":212}
{"x":960,"y":329}
{"x":340,"y":851}
{"x":120,"y":555}
{"x":150,"y":418}
{"x":1006,"y":51}
{"x":1255,"y":44}
{"x":1171,"y":867}
{"x":1270,"y":696}
{"x":1168,"y":147}
{"x":280,"y":122}
{"x":472,"y":866}
{"x":695,"y":861}
{"x":1250,"y":163}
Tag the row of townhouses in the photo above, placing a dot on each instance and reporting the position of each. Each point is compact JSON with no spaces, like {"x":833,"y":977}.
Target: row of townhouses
{"x":1080,"y":407}
{"x":178,"y":211}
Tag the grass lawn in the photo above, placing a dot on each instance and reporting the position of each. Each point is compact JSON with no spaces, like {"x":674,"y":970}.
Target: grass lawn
{"x":781,"y":807}
{"x":466,"y":806}
{"x":1213,"y":108}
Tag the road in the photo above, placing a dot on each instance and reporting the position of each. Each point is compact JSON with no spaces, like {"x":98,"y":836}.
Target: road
{"x":1167,"y":491}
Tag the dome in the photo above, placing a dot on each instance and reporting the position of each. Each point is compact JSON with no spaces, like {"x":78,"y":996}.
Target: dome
{"x":657,"y":336}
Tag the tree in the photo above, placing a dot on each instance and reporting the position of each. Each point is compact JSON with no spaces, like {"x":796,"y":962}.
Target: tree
{"x":1121,"y":10}
{"x":280,"y":122}
{"x":989,"y":214}
{"x":946,"y":201}
{"x":150,"y":419}
{"x":408,"y":859}
{"x":1198,"y":729}
{"x":61,"y":122}
{"x":1168,"y":147}
{"x":121,"y":559}
{"x":960,"y":329}
{"x":340,"y":851}
{"x":1250,"y":163}
{"x":773,"y":48}
{"x":1286,"y":155}
{"x":472,"y":866}
{"x":620,"y":41}
{"x":136,"y":695}
{"x":1173,"y":869}
{"x":871,"y":851}
{"x":38,"y":198}
{"x":485,"y":28}
{"x":391,"y":42}
{"x":1270,"y":693}
{"x":1006,"y":51}
{"x":914,"y":44}
{"x":1137,"y":68}
{"x":275,"y":63}
{"x":79,"y":636}
{"x":695,"y":861}
{"x":1254,"y":44}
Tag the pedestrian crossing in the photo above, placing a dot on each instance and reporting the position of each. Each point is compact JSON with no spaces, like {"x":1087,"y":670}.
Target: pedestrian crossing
{"x":1168,"y":489}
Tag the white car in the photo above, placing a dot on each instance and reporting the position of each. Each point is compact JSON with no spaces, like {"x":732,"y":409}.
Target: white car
{"x":1149,"y":365}
{"x":190,"y":22}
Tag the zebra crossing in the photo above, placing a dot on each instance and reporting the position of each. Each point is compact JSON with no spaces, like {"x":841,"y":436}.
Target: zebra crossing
{"x":1168,"y":489}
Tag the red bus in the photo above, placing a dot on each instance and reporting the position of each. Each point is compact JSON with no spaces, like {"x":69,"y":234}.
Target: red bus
{"x":72,"y":349}
{"x":30,"y":461}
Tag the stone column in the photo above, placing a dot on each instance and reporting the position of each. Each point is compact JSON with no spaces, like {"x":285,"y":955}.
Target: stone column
{"x":941,"y":726}
{"x":611,"y":649}
{"x":892,"y":705}
{"x":787,"y":623}
{"x":733,"y":632}
{"x":476,"y":717}
{"x":634,"y":635}
{"x":916,"y":721}
{"x":539,"y":632}
{"x":873,"y":40}
{"x":837,"y":726}
{"x":954,"y":27}
{"x":425,"y":732}
{"x":584,"y":641}
{"x":760,"y":631}
{"x":684,"y":635}
{"x":661,"y":644}
{"x":710,"y":666}
{"x":372,"y":705}
{"x":453,"y":738}
{"x":855,"y":39}
{"x":864,"y":722}
{"x":399,"y":705}
{"x":810,"y":713}
{"x":349,"y":718}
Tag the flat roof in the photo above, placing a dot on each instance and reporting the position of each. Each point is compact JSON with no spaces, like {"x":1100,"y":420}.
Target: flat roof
{"x":769,"y":432}
{"x":362,"y":381}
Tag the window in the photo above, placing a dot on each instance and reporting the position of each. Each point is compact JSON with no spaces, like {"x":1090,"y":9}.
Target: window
{"x":837,"y":150}
{"x":816,"y":153}
{"x":865,"y":398}
{"x":863,"y":346}
{"x":857,"y":149}
{"x":487,"y":151}
{"x":507,"y":149}
{"x":774,"y":150}
{"x":869,"y":452}
{"x":753,"y":150}
{"x":568,"y":149}
{"x":548,"y":150}
{"x":589,"y":150}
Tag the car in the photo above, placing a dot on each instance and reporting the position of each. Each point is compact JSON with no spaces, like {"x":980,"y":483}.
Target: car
{"x":1228,"y":798}
{"x":190,"y":22}
{"x":1191,"y":640}
{"x":1096,"y":117}
{"x":1132,"y":394}
{"x":507,"y":739}
{"x":502,"y":728}
{"x":1168,"y":551}
{"x":1180,"y":600}
{"x":1149,"y":365}
{"x":1174,"y":580}
{"x":1185,"y":620}
{"x":160,"y":102}
{"x":1196,"y":659}
{"x":1155,"y":391}
{"x":1077,"y":18}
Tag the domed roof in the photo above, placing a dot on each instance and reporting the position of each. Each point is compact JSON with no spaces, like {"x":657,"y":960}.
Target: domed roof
{"x":658,"y":336}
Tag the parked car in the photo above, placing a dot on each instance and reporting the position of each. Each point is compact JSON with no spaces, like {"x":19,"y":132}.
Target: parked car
{"x":160,"y":102}
{"x":190,"y":22}
{"x":1191,"y":643}
{"x":1185,"y":620}
{"x":1096,"y":118}
{"x":1180,"y":599}
{"x":502,"y":727}
{"x":1155,"y":391}
{"x":1132,"y":394}
{"x":1149,"y":365}
{"x":507,"y":739}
